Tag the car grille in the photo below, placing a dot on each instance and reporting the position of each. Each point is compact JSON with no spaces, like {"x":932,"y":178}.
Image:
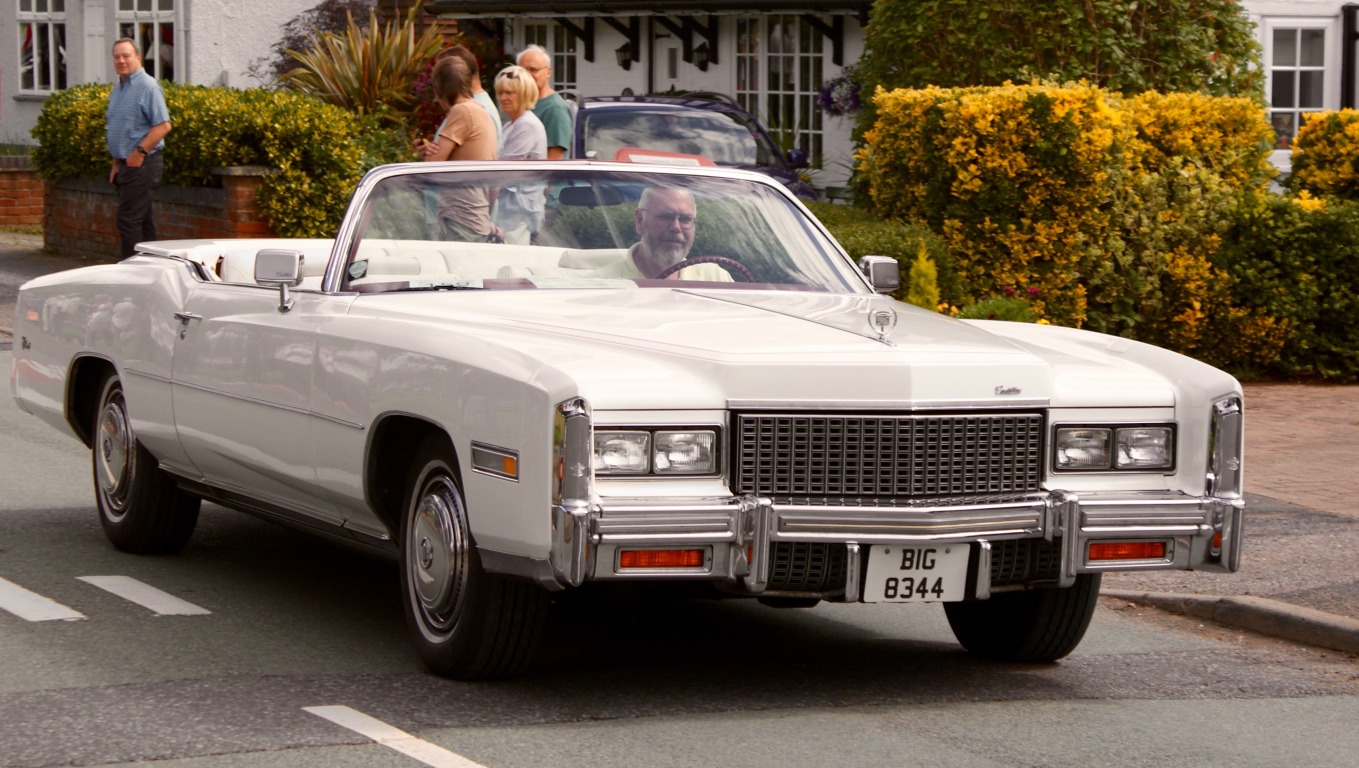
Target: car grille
{"x":894,"y":456}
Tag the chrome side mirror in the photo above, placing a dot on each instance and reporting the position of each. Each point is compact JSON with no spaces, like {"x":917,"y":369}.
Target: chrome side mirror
{"x":882,"y":273}
{"x":280,"y":268}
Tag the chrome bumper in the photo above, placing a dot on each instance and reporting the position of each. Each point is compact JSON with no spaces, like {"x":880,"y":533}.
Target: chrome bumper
{"x":1201,"y":533}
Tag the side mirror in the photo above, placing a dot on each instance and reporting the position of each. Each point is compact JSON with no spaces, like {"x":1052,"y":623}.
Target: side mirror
{"x":282,"y":269}
{"x":882,"y":273}
{"x":798,"y":158}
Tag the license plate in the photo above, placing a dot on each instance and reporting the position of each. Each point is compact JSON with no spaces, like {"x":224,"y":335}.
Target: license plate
{"x":913,"y":573}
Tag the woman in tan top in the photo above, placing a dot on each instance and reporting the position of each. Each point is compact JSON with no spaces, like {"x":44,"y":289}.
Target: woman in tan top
{"x":466,"y":134}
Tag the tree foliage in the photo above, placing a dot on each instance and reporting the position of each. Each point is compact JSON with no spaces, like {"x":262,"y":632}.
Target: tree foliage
{"x":326,"y":17}
{"x":368,"y":70}
{"x":1125,"y":46}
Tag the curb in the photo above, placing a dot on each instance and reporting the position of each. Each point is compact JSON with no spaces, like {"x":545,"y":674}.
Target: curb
{"x":1258,"y":614}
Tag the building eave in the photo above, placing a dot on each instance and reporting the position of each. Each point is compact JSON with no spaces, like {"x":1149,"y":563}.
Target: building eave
{"x":501,"y":9}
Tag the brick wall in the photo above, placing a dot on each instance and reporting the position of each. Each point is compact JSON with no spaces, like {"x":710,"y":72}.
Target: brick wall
{"x":21,"y":193}
{"x":80,"y":213}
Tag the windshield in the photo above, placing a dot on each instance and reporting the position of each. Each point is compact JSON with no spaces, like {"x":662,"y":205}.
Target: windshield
{"x":586,"y":228}
{"x":719,"y":136}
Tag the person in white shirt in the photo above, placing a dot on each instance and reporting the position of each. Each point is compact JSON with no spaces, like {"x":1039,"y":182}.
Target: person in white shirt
{"x":665,"y":220}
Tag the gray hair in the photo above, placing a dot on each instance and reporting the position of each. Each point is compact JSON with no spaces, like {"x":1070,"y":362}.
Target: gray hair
{"x":519,"y":58}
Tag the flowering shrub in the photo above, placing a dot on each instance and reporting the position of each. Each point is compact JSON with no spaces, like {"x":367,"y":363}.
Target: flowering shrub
{"x":1324,"y":153}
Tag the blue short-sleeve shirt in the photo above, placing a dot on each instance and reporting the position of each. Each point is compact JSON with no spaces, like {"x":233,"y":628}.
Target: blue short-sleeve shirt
{"x":135,"y":104}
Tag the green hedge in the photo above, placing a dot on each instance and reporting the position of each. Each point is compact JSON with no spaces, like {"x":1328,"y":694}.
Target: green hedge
{"x":320,"y":150}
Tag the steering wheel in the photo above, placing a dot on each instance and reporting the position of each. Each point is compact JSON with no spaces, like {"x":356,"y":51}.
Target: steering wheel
{"x":722,"y":261}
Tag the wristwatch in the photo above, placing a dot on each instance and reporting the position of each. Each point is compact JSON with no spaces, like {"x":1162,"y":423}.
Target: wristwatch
{"x":143,"y":151}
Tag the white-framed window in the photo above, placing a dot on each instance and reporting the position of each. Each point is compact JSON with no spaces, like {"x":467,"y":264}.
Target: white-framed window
{"x":780,"y":67}
{"x":561,"y":46}
{"x":42,"y":46}
{"x":1302,"y":72}
{"x":152,"y":24}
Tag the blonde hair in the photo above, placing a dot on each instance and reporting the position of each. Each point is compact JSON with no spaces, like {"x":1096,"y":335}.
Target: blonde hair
{"x":517,"y":80}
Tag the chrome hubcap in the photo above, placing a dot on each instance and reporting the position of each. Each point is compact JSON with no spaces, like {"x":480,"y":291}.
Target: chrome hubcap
{"x":113,"y":454}
{"x":437,"y":554}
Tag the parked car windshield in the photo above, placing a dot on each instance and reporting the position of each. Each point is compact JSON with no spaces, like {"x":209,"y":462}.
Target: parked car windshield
{"x":720,"y":136}
{"x":586,"y":227}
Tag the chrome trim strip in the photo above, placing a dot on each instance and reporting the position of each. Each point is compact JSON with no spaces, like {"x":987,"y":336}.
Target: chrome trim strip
{"x":853,"y":569}
{"x":905,"y":406}
{"x":265,"y":403}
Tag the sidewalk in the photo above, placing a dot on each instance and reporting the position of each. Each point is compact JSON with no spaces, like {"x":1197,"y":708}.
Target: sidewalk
{"x":1298,"y":576}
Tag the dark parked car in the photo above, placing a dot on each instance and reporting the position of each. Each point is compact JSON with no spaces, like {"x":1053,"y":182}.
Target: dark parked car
{"x":707,"y":125}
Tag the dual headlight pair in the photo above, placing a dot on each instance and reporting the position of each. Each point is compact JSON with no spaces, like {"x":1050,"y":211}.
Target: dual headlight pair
{"x":655,"y":452}
{"x":635,"y":452}
{"x":1114,"y":447}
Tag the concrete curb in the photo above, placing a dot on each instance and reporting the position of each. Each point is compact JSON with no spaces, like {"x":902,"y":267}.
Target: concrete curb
{"x":1258,"y":614}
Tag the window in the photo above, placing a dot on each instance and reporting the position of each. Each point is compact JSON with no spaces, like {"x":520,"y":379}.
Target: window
{"x":779,"y":72}
{"x":1297,"y":54}
{"x":42,"y":46}
{"x":152,"y":24}
{"x":562,"y":49}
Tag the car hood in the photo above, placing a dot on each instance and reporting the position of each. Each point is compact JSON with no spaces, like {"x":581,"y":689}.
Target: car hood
{"x":690,"y":348}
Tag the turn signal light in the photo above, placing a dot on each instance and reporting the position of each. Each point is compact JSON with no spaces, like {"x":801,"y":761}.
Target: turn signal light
{"x":660,"y":558}
{"x":1128,"y":550}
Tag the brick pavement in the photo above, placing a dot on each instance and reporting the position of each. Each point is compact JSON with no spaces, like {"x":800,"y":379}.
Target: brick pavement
{"x":1302,"y":445}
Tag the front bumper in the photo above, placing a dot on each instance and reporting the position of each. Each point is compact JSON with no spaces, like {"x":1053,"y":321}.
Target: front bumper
{"x":738,"y":534}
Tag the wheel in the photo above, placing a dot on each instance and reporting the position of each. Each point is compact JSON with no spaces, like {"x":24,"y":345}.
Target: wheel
{"x":722,"y":261}
{"x":141,"y":508}
{"x":467,"y":624}
{"x":1034,"y":626}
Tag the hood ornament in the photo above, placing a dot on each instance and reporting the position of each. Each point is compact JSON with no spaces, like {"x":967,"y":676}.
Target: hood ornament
{"x":882,"y":321}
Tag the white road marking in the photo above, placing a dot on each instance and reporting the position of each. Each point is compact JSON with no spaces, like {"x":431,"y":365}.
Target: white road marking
{"x":393,"y":738}
{"x":32,"y":606}
{"x":145,"y":595}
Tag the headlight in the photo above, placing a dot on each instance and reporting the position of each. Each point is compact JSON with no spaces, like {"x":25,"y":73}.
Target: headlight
{"x":631,"y":452}
{"x":1083,"y":448}
{"x":622,"y":453}
{"x":1144,"y":448}
{"x":1134,"y":448}
{"x":685,"y":453}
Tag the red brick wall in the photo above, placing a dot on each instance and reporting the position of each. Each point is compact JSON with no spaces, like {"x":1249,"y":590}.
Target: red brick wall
{"x":21,"y":193}
{"x":80,"y":213}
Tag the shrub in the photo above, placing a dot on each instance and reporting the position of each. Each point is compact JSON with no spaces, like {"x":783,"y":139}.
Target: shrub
{"x":862,"y":233}
{"x":319,"y":150}
{"x":1326,"y":155}
{"x":368,"y":70}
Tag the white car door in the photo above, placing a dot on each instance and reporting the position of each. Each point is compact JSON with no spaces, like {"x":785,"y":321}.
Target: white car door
{"x":243,"y":379}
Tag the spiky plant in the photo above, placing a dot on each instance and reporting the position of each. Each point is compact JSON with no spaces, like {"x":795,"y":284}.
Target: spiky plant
{"x":368,"y":72}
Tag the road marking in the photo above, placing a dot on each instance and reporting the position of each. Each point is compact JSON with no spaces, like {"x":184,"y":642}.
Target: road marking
{"x":393,"y":738}
{"x":145,"y":595}
{"x":32,"y":606}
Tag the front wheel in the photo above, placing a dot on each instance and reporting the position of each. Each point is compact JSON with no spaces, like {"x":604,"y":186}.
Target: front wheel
{"x":467,"y":624}
{"x":141,"y":508}
{"x":1034,"y":626}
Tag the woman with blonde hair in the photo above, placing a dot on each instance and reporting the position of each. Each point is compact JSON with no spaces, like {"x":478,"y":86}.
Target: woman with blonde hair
{"x":519,"y":208}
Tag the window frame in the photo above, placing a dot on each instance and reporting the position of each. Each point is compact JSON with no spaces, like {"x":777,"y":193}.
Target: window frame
{"x":33,"y":24}
{"x":139,"y":24}
{"x":1329,"y":69}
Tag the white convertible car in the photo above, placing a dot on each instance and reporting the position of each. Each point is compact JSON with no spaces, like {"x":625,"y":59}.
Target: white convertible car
{"x":514,"y":420}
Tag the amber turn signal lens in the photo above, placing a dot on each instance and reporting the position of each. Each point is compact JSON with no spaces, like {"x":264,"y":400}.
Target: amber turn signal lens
{"x":660,"y":558}
{"x":1128,"y":550}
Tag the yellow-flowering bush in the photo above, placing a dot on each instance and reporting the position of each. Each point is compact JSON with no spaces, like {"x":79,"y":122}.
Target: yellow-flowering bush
{"x":1326,"y":154}
{"x":1108,"y":212}
{"x":1016,"y":178}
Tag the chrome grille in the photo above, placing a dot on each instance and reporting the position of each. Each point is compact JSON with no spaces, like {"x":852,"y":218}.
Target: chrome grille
{"x":895,"y":456}
{"x":1025,"y":560}
{"x":800,"y":566}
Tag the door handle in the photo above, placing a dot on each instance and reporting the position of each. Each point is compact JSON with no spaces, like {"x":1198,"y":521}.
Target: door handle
{"x":184,"y":318}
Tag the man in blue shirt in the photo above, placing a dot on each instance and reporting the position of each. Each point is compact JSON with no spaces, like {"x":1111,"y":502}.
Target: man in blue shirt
{"x":137,"y":122}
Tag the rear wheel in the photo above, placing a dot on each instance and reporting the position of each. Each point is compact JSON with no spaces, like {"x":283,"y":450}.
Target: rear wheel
{"x":1033,"y":626}
{"x":141,"y":508}
{"x":467,"y":624}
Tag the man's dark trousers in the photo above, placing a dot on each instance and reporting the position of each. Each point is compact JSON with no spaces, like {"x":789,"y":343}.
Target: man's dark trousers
{"x":135,"y":188}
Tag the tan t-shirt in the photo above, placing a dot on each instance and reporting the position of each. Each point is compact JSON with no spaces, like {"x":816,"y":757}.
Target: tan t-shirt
{"x":473,"y":136}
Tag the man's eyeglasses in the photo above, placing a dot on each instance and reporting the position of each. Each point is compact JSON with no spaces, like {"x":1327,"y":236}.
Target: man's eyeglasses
{"x":535,"y":70}
{"x":668,"y":217}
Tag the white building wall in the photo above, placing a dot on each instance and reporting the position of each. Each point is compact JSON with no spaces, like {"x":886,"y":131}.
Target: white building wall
{"x":218,"y":42}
